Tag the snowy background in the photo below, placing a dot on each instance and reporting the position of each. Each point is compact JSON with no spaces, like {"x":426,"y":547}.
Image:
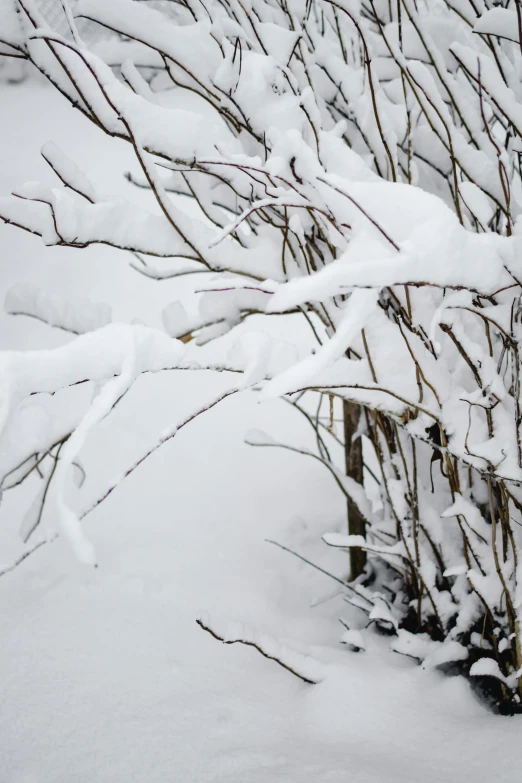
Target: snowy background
{"x":106,"y":677}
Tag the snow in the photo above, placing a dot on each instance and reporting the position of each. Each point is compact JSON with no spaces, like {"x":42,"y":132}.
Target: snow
{"x":76,"y":315}
{"x":487,"y":667}
{"x":353,"y":639}
{"x":360,"y":306}
{"x":476,"y":201}
{"x":68,"y":171}
{"x":498,"y":21}
{"x":106,"y":676}
{"x":303,"y":666}
{"x":11,"y":32}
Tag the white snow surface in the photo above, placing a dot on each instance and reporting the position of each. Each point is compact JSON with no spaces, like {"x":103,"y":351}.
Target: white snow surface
{"x":105,"y":676}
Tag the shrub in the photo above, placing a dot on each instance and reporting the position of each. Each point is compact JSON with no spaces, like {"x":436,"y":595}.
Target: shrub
{"x":356,"y":164}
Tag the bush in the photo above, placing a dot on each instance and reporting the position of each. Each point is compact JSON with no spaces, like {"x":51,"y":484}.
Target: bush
{"x":357,"y":165}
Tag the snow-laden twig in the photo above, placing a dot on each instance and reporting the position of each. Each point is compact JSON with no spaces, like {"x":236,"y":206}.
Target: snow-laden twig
{"x":305,"y":668}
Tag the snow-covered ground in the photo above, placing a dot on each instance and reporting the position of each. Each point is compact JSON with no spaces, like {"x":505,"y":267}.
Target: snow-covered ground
{"x":105,"y":676}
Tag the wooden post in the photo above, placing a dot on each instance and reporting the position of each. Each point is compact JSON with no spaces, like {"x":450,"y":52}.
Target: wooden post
{"x":354,"y":469}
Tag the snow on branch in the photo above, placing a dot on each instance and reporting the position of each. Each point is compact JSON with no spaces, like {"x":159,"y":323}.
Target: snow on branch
{"x":302,"y":666}
{"x":75,"y":315}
